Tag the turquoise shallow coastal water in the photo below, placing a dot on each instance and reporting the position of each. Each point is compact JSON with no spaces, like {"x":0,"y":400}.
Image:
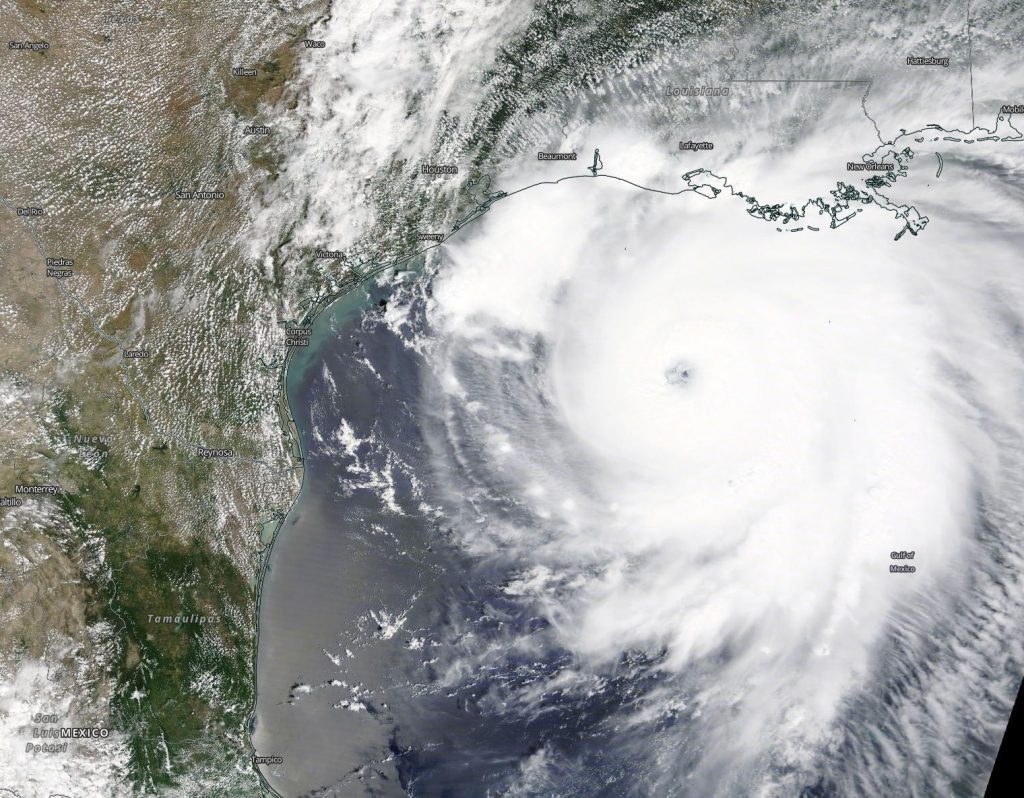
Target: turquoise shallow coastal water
{"x":419,"y":612}
{"x":314,"y":586}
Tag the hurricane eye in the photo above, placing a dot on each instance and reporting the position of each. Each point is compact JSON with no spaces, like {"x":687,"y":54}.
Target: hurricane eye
{"x":679,"y":374}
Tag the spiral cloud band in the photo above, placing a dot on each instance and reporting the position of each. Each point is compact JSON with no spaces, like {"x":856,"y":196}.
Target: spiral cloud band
{"x":759,"y":458}
{"x":689,"y":463}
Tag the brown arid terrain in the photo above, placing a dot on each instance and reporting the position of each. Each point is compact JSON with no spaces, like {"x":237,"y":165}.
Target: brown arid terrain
{"x":142,"y":384}
{"x":168,"y":171}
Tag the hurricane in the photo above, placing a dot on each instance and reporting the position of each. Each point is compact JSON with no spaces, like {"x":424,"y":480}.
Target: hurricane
{"x":756,"y":463}
{"x":687,"y":463}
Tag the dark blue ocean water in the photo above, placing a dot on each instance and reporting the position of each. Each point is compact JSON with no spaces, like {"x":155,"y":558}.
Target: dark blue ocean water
{"x":356,"y":706}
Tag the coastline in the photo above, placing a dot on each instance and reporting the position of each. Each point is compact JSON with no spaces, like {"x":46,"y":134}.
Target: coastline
{"x":317,"y":308}
{"x":356,"y":278}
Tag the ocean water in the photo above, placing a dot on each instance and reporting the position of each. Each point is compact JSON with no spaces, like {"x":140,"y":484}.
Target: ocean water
{"x":529,"y":559}
{"x":696,"y":478}
{"x":327,"y":574}
{"x":366,"y":600}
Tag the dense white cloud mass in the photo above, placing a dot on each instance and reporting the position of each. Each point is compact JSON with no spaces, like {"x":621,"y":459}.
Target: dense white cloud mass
{"x":691,"y":435}
{"x":369,"y":111}
{"x":682,"y":436}
{"x":28,"y":704}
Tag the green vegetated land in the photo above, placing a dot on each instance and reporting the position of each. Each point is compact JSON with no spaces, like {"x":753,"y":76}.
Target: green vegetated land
{"x":144,"y":529}
{"x":183,"y":690}
{"x":144,"y":517}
